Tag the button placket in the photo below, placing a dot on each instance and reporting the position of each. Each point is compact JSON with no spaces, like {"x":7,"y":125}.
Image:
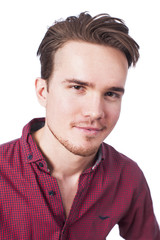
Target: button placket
{"x":41,"y":164}
{"x":30,"y":156}
{"x":52,"y":193}
{"x":54,"y":197}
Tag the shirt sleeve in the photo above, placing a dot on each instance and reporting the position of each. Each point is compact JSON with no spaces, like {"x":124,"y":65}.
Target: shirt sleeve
{"x":139,"y":223}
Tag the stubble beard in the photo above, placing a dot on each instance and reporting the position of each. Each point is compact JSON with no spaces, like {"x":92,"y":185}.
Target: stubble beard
{"x":80,"y":150}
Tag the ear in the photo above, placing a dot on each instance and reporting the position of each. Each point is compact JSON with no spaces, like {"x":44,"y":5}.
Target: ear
{"x":41,"y":91}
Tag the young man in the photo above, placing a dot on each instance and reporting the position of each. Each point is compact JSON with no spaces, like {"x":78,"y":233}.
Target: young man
{"x":59,"y":180}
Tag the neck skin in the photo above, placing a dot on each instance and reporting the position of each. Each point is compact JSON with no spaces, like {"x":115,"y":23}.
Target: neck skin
{"x":62,"y":163}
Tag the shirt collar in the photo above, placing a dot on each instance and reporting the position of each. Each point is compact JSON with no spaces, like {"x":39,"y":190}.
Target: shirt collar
{"x":30,"y":149}
{"x":32,"y":153}
{"x":98,"y":159}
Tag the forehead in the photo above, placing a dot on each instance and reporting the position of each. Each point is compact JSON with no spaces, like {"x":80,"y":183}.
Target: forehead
{"x":82,"y":60}
{"x":86,"y":50}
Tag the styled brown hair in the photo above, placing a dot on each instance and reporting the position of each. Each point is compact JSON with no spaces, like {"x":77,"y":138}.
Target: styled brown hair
{"x":101,"y":29}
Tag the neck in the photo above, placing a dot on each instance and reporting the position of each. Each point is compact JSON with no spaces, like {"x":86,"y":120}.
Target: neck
{"x":61,"y":162}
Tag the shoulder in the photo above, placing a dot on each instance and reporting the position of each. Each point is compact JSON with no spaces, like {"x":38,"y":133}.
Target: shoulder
{"x":110,"y":154}
{"x":121,"y":165}
{"x":126,"y":176}
{"x":8,"y":150}
{"x":8,"y":145}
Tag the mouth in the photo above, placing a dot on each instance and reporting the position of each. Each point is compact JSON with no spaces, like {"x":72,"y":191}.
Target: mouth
{"x":90,"y":130}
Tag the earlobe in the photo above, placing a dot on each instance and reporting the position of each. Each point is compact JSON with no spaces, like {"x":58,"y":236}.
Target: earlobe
{"x":41,"y":91}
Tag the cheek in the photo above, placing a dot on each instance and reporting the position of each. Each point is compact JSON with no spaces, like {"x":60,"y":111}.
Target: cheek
{"x":60,"y":109}
{"x":113,"y":114}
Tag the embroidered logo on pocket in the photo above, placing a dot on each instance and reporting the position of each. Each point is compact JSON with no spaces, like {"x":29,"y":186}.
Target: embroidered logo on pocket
{"x":103,"y":217}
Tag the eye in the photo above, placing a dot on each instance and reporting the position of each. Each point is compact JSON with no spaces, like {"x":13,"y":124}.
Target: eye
{"x":77,"y":87}
{"x":112,"y":94}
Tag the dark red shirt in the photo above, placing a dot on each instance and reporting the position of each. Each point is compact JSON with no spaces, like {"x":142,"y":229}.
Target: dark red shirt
{"x":113,"y":191}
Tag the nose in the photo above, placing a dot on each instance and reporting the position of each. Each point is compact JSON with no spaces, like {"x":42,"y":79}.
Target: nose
{"x":94,"y":108}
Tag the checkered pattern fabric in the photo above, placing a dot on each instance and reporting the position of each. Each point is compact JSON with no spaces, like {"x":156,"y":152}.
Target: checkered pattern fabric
{"x":114,"y":191}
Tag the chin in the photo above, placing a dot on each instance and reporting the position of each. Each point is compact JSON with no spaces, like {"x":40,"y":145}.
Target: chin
{"x":80,"y":150}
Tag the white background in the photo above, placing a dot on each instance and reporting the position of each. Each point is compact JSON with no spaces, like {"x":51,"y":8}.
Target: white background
{"x":22,"y":27}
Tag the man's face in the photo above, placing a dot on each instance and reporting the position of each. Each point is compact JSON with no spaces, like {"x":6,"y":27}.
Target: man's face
{"x":84,"y":97}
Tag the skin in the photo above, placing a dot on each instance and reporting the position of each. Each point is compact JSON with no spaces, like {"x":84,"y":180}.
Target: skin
{"x":83,"y":103}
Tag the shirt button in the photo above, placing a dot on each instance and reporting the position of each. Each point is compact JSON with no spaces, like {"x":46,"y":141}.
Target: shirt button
{"x":30,"y":156}
{"x":41,"y":164}
{"x":52,"y":193}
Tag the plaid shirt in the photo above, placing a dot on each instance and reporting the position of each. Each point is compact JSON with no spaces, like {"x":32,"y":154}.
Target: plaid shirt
{"x":113,"y":191}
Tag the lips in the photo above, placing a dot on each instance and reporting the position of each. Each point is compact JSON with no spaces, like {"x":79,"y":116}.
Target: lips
{"x":89,"y":129}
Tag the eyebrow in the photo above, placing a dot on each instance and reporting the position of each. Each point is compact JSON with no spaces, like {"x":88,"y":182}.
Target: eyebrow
{"x":88,"y":84}
{"x":117,"y":89}
{"x":82,"y":83}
